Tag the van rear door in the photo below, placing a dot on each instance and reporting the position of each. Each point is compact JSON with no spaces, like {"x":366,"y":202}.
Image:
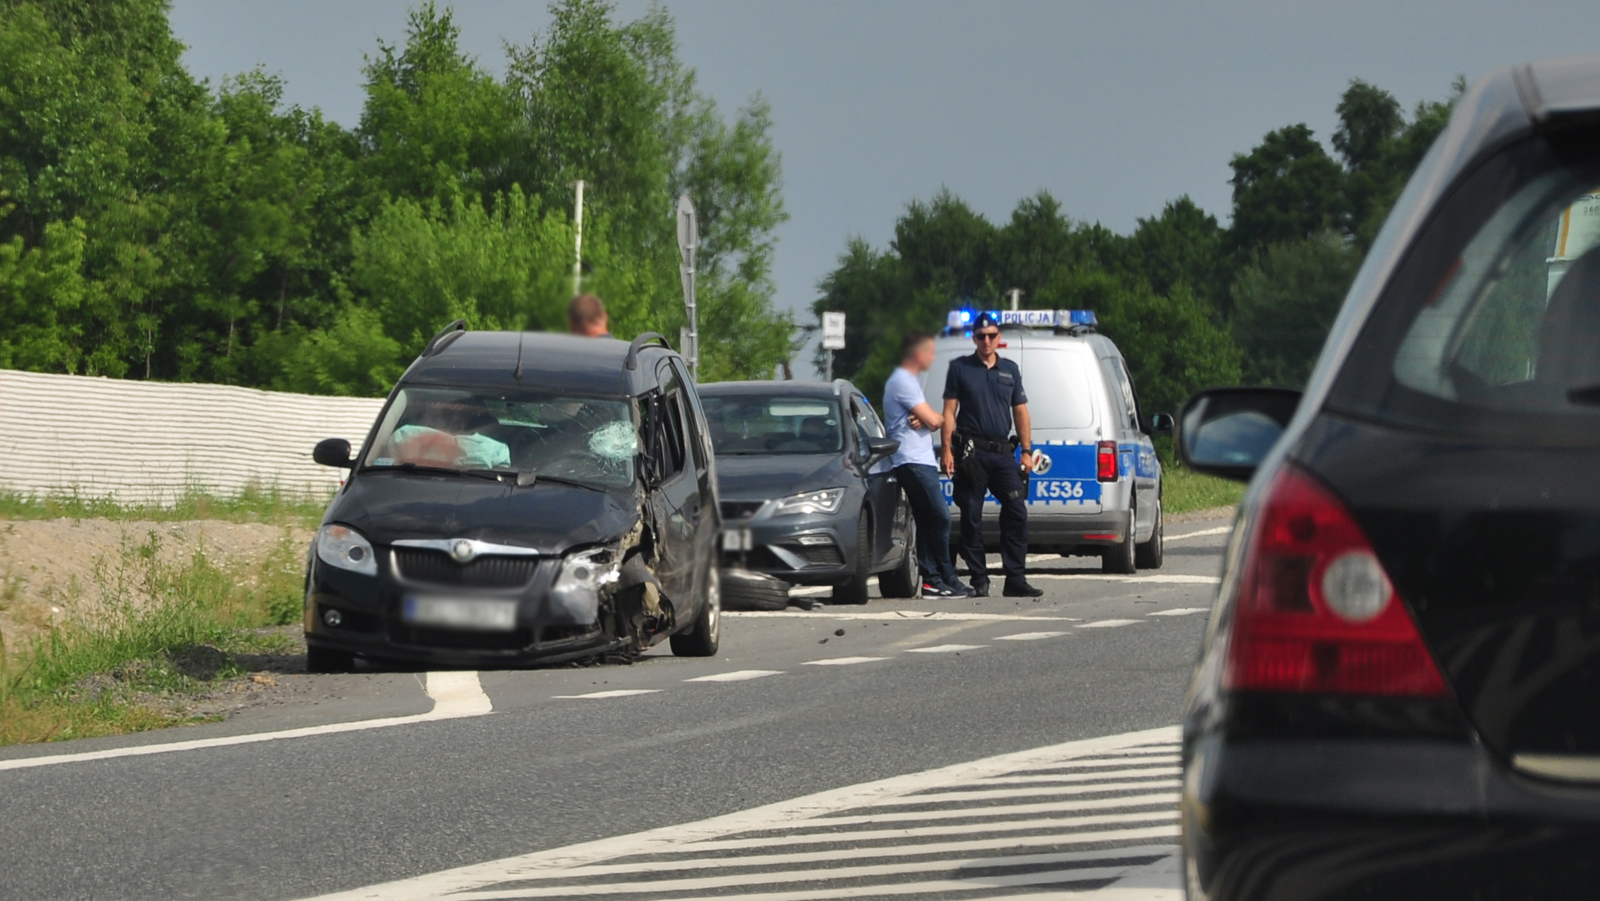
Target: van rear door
{"x":1057,"y":377}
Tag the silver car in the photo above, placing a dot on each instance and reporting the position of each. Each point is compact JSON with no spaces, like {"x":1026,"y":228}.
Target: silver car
{"x":1097,"y":490}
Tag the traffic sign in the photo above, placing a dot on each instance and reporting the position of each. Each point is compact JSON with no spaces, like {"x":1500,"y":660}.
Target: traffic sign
{"x":833,"y":331}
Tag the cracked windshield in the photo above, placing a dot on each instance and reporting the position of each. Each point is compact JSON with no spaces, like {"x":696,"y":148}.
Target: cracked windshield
{"x":663,"y":450}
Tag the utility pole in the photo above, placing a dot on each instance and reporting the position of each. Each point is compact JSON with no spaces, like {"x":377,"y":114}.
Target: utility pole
{"x":1016,"y":295}
{"x":688,"y":240}
{"x":577,"y":251}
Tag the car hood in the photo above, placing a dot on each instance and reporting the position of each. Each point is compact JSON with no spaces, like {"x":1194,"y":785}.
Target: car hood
{"x":759,"y":477}
{"x":549,"y":517}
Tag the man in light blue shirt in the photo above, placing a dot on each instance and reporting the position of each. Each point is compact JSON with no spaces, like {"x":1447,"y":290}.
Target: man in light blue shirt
{"x":911,"y":421}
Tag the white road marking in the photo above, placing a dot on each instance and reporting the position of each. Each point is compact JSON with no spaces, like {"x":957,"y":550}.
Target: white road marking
{"x":842,"y":661}
{"x":738,"y":675}
{"x":1179,"y":611}
{"x":1109,"y":623}
{"x":455,"y":695}
{"x":1032,"y":791}
{"x":1030,"y":636}
{"x":1166,"y":578}
{"x":613,"y":693}
{"x":882,"y":869}
{"x":945,"y":648}
{"x":813,"y":591}
{"x":1203,"y":533}
{"x":899,"y":615}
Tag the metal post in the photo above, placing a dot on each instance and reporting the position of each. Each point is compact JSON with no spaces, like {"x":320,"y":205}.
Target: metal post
{"x":829,"y":376}
{"x":1016,"y":295}
{"x":577,"y":251}
{"x":688,"y":240}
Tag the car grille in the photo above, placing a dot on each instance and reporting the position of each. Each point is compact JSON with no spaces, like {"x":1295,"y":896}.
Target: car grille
{"x":740,"y":509}
{"x":437,"y":568}
{"x":418,"y":636}
{"x":816,"y":554}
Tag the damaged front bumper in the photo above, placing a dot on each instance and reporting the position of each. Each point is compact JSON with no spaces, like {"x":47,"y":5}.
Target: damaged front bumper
{"x":810,"y":549}
{"x":422,"y":606}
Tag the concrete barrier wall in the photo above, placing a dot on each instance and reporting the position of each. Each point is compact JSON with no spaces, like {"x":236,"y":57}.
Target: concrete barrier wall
{"x":149,"y":442}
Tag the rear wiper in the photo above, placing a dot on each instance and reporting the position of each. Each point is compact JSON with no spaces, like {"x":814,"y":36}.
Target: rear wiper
{"x":1588,"y":395}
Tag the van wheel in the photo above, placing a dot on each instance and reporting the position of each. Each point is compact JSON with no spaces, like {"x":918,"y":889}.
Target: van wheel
{"x":326,"y":660}
{"x":905,"y":580}
{"x":706,"y":636}
{"x":855,"y":590}
{"x":1119,"y":560}
{"x":1149,"y":554}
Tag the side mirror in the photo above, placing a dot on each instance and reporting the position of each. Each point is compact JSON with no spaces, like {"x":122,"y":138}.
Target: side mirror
{"x":333,"y":452}
{"x":1227,"y":432}
{"x":878,"y":448}
{"x":1161,"y":423}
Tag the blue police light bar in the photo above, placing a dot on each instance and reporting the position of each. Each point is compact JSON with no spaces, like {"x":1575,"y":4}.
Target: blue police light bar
{"x":962,"y":319}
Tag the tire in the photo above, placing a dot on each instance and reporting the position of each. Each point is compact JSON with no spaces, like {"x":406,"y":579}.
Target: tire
{"x":854,"y":591}
{"x":749,"y":591}
{"x":704,"y":638}
{"x":1149,"y":554}
{"x":327,"y":660}
{"x":905,"y":580}
{"x":1119,"y":560}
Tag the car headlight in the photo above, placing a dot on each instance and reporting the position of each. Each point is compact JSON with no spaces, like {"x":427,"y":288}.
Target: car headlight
{"x":577,"y":588}
{"x":825,"y":501}
{"x":346,"y":548}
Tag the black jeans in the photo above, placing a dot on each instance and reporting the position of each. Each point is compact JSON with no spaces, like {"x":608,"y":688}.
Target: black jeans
{"x":920,"y":482}
{"x":1005,"y":482}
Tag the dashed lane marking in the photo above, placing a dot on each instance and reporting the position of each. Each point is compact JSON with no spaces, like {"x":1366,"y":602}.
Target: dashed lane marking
{"x":1110,"y":623}
{"x":842,"y":661}
{"x":1179,"y":611}
{"x":1030,"y":636}
{"x":613,"y":693}
{"x":1203,"y":533}
{"x":942,"y":834}
{"x":899,"y":615}
{"x":738,"y":675}
{"x":1163,"y":578}
{"x":455,"y":695}
{"x":945,"y":649}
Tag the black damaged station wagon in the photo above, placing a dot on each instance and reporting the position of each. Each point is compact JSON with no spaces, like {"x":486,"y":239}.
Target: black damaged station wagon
{"x":523,"y":497}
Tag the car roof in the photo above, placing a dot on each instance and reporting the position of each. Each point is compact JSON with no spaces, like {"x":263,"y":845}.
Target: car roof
{"x":554,"y":362}
{"x":770,"y":386}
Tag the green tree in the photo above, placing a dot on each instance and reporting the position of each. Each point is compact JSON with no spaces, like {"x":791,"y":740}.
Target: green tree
{"x":1287,"y":188}
{"x":1285,"y":304}
{"x":1182,"y":247}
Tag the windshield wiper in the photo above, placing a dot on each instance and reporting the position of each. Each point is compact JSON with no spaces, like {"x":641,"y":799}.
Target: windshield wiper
{"x":442,"y":470}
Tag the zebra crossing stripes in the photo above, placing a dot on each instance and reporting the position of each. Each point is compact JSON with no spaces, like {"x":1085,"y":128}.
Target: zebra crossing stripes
{"x":1057,"y":822}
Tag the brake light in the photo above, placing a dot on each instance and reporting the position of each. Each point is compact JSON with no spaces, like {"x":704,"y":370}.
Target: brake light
{"x":1316,"y":611}
{"x":1105,"y":461}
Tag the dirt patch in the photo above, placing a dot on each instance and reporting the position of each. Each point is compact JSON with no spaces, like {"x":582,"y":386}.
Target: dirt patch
{"x":46,"y":566}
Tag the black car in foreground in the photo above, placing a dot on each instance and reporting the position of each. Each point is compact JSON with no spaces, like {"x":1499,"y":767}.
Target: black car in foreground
{"x":808,"y":496}
{"x":1399,"y":692}
{"x":522,"y":497}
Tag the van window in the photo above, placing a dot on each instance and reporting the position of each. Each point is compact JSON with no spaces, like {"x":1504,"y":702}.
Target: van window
{"x":1057,"y":383}
{"x":1130,"y":403}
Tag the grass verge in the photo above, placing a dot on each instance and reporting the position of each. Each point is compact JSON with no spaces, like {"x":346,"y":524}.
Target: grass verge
{"x":1183,"y":490}
{"x":251,"y":505}
{"x":144,"y":640}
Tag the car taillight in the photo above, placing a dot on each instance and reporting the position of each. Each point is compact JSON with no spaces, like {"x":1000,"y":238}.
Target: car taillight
{"x":1316,"y":611}
{"x":1105,"y":461}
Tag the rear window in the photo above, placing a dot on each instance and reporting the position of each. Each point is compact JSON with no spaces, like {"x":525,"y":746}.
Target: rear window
{"x":1492,"y":325}
{"x":1057,"y":383}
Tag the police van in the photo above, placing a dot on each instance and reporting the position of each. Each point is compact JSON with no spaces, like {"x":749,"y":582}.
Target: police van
{"x":1097,"y":489}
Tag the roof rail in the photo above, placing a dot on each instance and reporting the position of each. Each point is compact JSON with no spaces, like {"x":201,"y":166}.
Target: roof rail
{"x":438,"y":342}
{"x":644,"y":339}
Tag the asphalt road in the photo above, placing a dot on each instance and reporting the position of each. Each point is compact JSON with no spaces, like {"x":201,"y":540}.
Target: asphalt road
{"x":912,"y":692}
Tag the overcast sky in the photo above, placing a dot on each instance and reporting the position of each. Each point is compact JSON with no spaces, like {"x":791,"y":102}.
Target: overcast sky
{"x":1114,"y":107}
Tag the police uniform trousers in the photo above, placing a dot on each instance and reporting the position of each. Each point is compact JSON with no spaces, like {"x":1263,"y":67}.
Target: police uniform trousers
{"x":1005,"y":483}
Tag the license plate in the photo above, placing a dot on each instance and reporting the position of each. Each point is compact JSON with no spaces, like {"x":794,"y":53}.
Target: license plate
{"x":736,"y":540}
{"x":480,"y":615}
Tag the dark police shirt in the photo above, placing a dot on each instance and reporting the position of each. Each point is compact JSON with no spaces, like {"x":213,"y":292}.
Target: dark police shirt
{"x":985,"y":396}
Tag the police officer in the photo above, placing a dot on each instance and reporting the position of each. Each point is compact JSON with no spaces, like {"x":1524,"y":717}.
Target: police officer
{"x":983,"y":397}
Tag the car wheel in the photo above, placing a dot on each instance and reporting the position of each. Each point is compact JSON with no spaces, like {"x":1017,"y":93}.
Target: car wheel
{"x":855,"y":590}
{"x":706,"y":636}
{"x":327,"y":660}
{"x":1149,"y":554}
{"x":743,"y":590}
{"x":905,"y":580}
{"x":1119,"y":560}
